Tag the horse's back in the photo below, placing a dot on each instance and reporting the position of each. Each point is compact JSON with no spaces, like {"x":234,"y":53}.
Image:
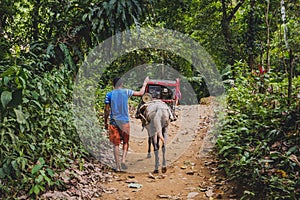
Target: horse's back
{"x":158,"y":113}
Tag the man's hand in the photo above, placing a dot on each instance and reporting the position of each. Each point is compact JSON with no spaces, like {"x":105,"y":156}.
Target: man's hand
{"x":142,"y":90}
{"x":146,"y":80}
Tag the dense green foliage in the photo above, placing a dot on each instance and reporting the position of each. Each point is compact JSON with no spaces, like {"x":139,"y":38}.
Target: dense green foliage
{"x":37,"y":131}
{"x":43,"y":44}
{"x":259,"y":136}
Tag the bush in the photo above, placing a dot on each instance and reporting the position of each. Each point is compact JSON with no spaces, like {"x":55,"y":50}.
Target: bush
{"x":37,"y":134}
{"x":258,"y":139}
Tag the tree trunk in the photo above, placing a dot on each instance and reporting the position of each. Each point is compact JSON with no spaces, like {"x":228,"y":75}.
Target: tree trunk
{"x":227,"y":35}
{"x":251,"y":35}
{"x":268,"y":36}
{"x":290,"y":64}
{"x":35,"y":20}
{"x":2,"y":20}
{"x":227,"y":16}
{"x":290,"y":76}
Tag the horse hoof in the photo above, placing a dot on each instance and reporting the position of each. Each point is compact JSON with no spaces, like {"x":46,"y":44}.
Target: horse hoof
{"x":155,"y":171}
{"x":164,"y":169}
{"x":149,"y":155}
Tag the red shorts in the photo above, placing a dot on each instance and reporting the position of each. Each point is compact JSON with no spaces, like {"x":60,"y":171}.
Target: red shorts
{"x":116,"y":135}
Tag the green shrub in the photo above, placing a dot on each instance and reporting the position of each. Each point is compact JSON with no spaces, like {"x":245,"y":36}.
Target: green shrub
{"x":256,"y":142}
{"x":37,"y":133}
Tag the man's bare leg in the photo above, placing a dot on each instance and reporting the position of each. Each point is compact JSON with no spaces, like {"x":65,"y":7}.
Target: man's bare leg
{"x":125,"y":150}
{"x":116,"y":154}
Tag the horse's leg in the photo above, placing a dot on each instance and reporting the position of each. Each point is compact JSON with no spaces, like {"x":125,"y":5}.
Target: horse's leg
{"x":156,"y":148}
{"x":164,"y":162}
{"x":149,"y":147}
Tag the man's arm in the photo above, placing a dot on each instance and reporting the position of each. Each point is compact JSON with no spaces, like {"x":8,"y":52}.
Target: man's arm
{"x":106,"y":114}
{"x":142,"y":90}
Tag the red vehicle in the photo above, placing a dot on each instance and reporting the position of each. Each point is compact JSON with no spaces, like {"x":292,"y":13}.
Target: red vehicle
{"x":167,"y":91}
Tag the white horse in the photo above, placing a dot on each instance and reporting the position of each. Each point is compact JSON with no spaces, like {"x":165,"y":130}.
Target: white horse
{"x":156,"y":116}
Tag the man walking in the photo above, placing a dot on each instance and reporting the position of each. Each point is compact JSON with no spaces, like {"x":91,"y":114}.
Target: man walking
{"x":116,"y":108}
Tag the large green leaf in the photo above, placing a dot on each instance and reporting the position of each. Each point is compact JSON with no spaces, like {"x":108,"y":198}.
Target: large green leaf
{"x":6,"y":97}
{"x":2,"y":174}
{"x":10,"y":71}
{"x":36,"y":168}
{"x":21,"y":119}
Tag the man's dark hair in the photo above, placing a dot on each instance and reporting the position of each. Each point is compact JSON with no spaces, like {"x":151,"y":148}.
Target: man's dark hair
{"x":117,"y":82}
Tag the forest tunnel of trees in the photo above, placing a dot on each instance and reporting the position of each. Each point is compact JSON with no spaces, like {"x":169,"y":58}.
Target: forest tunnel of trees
{"x":254,"y":44}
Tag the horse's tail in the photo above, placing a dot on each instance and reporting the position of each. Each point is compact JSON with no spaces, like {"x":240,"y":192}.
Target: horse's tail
{"x":158,"y":124}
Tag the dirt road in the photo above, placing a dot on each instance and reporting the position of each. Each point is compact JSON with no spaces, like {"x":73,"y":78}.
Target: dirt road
{"x":192,"y":169}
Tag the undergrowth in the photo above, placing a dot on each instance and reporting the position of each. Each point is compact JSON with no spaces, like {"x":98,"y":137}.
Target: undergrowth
{"x":38,"y":138}
{"x":259,"y":142}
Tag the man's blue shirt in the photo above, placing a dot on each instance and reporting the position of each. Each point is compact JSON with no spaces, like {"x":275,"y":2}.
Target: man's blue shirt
{"x":118,"y":101}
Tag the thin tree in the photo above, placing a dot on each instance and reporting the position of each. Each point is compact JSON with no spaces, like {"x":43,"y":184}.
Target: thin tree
{"x":251,"y":35}
{"x":290,"y":63}
{"x":227,"y":16}
{"x":268,"y":35}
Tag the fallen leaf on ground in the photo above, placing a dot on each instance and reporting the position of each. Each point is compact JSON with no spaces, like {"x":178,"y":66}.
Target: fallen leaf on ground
{"x":295,"y":159}
{"x":135,"y":185}
{"x":164,"y":196}
{"x":152,"y":176}
{"x":218,"y":193}
{"x":209,"y":193}
{"x":190,"y":172}
{"x":192,"y":195}
{"x":202,"y":189}
{"x":110,"y":190}
{"x":131,"y":181}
